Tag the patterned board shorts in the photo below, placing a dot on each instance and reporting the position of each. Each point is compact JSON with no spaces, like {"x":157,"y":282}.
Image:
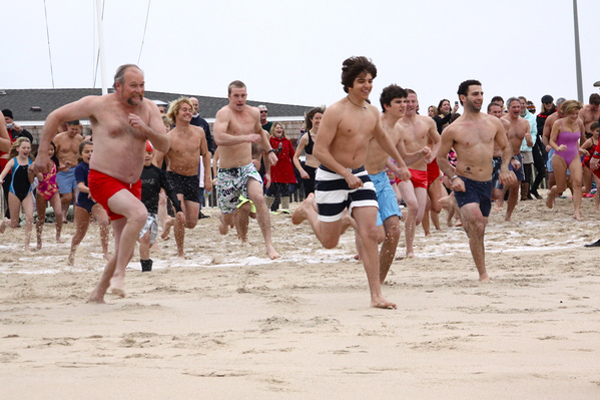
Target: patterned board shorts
{"x":233,"y":182}
{"x":152,"y":226}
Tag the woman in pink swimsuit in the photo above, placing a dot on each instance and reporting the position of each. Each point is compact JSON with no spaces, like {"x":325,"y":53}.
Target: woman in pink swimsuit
{"x":564,"y":139}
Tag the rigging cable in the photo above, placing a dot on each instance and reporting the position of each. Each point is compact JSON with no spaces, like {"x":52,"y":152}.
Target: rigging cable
{"x":49,"y":52}
{"x":98,"y":53}
{"x":144,"y":35}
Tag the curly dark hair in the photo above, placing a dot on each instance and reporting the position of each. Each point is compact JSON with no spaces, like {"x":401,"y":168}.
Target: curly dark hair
{"x":355,"y":66}
{"x":390,"y":93}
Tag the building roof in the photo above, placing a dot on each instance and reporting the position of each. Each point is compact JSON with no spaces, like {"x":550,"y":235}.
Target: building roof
{"x":24,"y":102}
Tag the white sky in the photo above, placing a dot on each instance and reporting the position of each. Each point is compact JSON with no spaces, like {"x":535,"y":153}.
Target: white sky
{"x":291,"y":51}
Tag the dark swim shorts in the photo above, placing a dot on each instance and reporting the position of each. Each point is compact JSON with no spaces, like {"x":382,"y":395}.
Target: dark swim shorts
{"x":188,"y":186}
{"x":476,"y":192}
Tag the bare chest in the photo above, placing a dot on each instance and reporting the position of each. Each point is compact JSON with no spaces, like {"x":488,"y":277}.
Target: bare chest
{"x":354,"y":127}
{"x":241,"y":124}
{"x":184,"y":143}
{"x":517,"y":130}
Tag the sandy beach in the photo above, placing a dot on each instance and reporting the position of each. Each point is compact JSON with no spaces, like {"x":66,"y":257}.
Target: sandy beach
{"x":227,"y":323}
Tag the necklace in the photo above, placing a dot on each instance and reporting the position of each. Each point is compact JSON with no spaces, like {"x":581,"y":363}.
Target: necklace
{"x":350,"y":100}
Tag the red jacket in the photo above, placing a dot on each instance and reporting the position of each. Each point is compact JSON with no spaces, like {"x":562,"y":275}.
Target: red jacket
{"x":283,"y":171}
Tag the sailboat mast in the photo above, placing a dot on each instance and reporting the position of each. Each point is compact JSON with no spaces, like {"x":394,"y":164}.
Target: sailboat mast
{"x":101,"y":48}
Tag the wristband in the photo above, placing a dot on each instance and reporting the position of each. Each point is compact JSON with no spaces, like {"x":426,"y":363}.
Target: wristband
{"x":271,"y":151}
{"x":452,"y":179}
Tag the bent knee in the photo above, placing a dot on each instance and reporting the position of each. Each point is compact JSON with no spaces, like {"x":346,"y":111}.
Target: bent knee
{"x":330,"y":243}
{"x":139,"y":216}
{"x":436,"y":207}
{"x":191,"y":224}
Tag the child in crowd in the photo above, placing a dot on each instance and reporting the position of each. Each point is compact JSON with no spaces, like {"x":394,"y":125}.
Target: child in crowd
{"x":153,"y":180}
{"x":86,"y":207}
{"x":47,"y":191}
{"x":20,"y":187}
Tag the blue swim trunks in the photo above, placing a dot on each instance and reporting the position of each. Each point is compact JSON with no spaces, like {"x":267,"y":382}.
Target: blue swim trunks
{"x":476,"y":192}
{"x":549,"y":163}
{"x":386,"y":197}
{"x":66,"y":181}
{"x":520,"y":173}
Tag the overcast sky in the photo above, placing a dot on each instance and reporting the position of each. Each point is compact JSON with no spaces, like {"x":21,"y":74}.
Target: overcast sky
{"x":292,"y":51}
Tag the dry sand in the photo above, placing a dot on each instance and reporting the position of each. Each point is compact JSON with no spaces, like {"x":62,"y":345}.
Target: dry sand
{"x":228,"y":323}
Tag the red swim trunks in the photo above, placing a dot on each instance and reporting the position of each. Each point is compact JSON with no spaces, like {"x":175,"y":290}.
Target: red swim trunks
{"x":433,"y":172}
{"x":418,"y":178}
{"x":103,"y":187}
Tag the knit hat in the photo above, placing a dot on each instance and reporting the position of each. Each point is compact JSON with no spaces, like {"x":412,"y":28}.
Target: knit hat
{"x":547,"y":99}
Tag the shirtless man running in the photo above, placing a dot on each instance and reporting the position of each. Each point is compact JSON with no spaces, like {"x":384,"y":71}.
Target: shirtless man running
{"x":67,"y":151}
{"x":122,"y":122}
{"x":393,"y":103}
{"x":341,"y":181}
{"x":245,"y":208}
{"x":472,"y":136}
{"x":590,"y":113}
{"x":418,"y":132}
{"x":495,"y":109}
{"x":237,"y":126}
{"x":519,"y":129}
{"x":188,"y":144}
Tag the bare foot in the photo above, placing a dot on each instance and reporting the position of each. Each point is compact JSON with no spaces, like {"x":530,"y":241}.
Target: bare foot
{"x":550,"y":201}
{"x":301,"y":214}
{"x":39,"y":245}
{"x":97,"y":300}
{"x":578,"y":217}
{"x":117,"y":285}
{"x":380,"y":302}
{"x":118,"y":291}
{"x":357,"y":256}
{"x":507,"y":218}
{"x":106,"y":256}
{"x":59,"y":239}
{"x":181,"y":256}
{"x":485,"y":278}
{"x":410,"y":254}
{"x":272,"y":253}
{"x":71,"y":259}
{"x":497,"y":206}
{"x":2,"y":226}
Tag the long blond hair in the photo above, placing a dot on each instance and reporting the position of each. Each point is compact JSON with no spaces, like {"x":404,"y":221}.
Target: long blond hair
{"x":272,"y":132}
{"x":16,"y":145}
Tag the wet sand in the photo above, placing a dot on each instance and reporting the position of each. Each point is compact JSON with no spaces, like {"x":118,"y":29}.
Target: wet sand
{"x":229,"y":323}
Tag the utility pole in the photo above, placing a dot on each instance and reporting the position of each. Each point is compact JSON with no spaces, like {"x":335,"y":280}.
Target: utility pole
{"x":577,"y":53}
